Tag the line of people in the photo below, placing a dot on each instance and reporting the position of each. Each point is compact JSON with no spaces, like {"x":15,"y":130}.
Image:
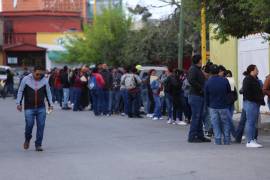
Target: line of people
{"x":203,"y":97}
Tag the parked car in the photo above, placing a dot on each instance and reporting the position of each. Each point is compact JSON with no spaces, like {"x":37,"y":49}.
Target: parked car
{"x":159,"y":69}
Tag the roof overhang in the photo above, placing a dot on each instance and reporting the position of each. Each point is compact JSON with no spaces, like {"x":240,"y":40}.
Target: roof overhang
{"x":22,"y":47}
{"x":40,"y":13}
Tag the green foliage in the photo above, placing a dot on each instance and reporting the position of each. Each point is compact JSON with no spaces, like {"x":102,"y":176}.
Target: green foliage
{"x":238,"y":18}
{"x":103,"y":41}
{"x":153,"y":44}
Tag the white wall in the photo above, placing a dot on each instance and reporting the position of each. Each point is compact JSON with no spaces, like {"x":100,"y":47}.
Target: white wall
{"x":253,"y":50}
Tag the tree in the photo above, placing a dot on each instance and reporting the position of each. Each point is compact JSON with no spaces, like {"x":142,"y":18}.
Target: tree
{"x":230,"y":18}
{"x":156,"y":42}
{"x":103,"y":41}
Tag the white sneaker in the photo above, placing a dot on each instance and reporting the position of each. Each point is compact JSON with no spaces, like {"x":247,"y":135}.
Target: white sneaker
{"x":169,"y":121}
{"x":177,"y":122}
{"x":155,"y":118}
{"x":243,"y":138}
{"x":123,"y":114}
{"x":182,"y":123}
{"x":161,"y":118}
{"x":253,"y":144}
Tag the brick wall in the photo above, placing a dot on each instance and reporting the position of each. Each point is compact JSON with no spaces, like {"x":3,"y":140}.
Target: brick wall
{"x":33,"y":24}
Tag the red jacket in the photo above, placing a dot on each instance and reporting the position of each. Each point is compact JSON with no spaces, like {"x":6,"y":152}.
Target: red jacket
{"x":99,"y":79}
{"x":57,"y":81}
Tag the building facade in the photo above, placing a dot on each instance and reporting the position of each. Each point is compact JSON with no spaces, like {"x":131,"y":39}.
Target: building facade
{"x":237,"y":54}
{"x":22,"y":22}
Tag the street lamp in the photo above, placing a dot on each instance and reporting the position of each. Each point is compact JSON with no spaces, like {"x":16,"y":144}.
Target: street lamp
{"x":181,"y":36}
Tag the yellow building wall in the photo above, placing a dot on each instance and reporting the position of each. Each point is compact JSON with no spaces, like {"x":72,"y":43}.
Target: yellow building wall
{"x":1,"y":58}
{"x":226,"y":54}
{"x":52,"y":38}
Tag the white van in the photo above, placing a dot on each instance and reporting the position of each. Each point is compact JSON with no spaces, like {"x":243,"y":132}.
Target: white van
{"x":159,"y":69}
{"x":3,"y":72}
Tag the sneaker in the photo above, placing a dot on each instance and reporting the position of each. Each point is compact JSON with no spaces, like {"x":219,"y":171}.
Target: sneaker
{"x":253,"y":144}
{"x":150,"y":115}
{"x":169,"y":121}
{"x":39,"y":148}
{"x":155,"y":119}
{"x":26,"y":144}
{"x":195,"y":140}
{"x":205,"y":140}
{"x":161,"y":118}
{"x":182,"y":123}
{"x":177,"y":122}
{"x":243,"y":138}
{"x":123,"y":114}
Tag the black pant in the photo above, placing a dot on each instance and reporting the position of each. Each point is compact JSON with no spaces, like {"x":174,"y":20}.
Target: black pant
{"x":134,"y":103}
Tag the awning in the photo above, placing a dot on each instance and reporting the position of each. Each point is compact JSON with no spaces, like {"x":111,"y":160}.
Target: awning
{"x":56,"y":55}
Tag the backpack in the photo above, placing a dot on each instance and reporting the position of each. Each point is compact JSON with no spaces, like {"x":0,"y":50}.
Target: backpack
{"x":130,"y":82}
{"x":92,"y":83}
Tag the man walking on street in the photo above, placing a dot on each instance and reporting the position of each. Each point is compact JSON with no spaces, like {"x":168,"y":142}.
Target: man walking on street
{"x":196,"y":79}
{"x":34,"y":88}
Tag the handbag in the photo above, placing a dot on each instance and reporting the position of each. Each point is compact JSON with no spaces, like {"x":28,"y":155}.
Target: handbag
{"x":2,"y":85}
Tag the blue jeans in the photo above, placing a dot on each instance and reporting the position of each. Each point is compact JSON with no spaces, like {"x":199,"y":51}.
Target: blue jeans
{"x":114,"y":101}
{"x":187,"y":108}
{"x":71,"y":95}
{"x":77,"y":99}
{"x":59,"y":95}
{"x":96,"y":100}
{"x":53,"y":94}
{"x":268,"y":103}
{"x":169,"y":105}
{"x":196,"y":126}
{"x":105,"y":101}
{"x":38,"y":114}
{"x":231,"y":111}
{"x":157,"y":109}
{"x":206,"y":119}
{"x":10,"y":88}
{"x":145,"y":100}
{"x":221,"y":124}
{"x":124,"y":96}
{"x":66,"y":97}
{"x":252,"y":110}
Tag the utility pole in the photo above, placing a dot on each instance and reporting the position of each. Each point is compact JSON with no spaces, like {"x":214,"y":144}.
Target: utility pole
{"x":203,"y":31}
{"x":95,"y":10}
{"x":181,"y":37}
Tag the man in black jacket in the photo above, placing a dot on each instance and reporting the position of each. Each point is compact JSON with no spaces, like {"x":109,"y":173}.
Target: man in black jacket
{"x":196,"y":79}
{"x":66,"y":85}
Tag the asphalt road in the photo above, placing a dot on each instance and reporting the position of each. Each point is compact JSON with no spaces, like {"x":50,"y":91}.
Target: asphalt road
{"x":80,"y":146}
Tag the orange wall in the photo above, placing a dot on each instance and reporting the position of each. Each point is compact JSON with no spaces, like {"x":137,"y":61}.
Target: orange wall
{"x":33,"y":5}
{"x":44,"y":24}
{"x":32,"y":24}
